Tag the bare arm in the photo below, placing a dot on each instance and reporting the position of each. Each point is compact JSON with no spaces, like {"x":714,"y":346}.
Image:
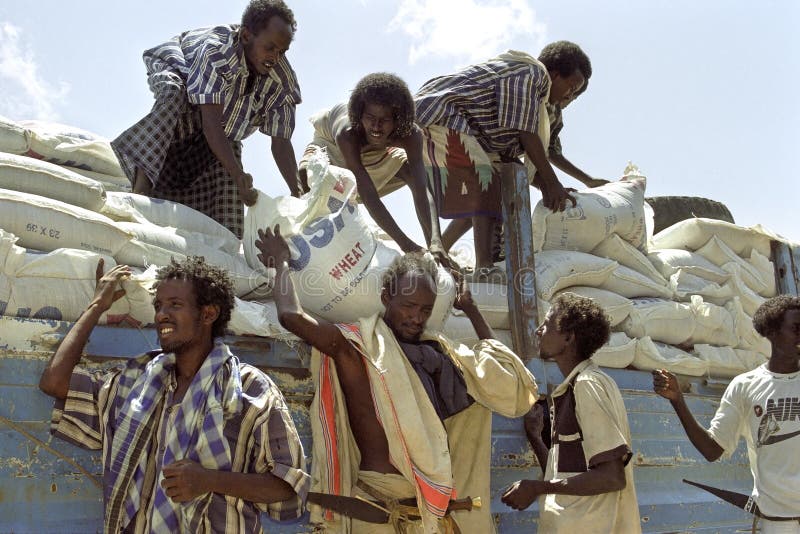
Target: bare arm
{"x":603,"y":478}
{"x":568,"y":167}
{"x":465,"y":303}
{"x":534,"y":423}
{"x":322,"y":335}
{"x":666,"y":385}
{"x":211,"y":115}
{"x":184,"y":480}
{"x":351,"y":151}
{"x":56,"y":376}
{"x":283,"y":152}
{"x":417,"y":181}
{"x":554,"y":196}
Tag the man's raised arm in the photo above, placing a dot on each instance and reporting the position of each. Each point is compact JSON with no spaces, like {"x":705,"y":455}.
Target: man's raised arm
{"x":465,"y":303}
{"x":322,"y":335}
{"x":56,"y":376}
{"x":666,"y":385}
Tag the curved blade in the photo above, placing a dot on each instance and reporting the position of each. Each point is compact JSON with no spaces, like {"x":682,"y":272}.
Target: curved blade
{"x":349,"y":506}
{"x":737,"y":499}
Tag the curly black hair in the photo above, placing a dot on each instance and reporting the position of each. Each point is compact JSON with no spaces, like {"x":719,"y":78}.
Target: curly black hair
{"x":564,"y":58}
{"x":584,"y":318}
{"x":212,"y":285}
{"x":412,"y":262}
{"x":768,"y":318}
{"x":258,"y":12}
{"x":387,"y":90}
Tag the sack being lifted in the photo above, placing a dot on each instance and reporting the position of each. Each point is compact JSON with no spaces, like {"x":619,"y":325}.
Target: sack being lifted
{"x":614,"y":208}
{"x":334,"y":265}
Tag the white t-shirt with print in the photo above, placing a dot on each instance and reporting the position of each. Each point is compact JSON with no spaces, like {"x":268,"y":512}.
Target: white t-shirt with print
{"x":764,"y":408}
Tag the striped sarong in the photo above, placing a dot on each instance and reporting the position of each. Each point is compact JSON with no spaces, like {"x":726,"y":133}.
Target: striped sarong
{"x":465,"y":179}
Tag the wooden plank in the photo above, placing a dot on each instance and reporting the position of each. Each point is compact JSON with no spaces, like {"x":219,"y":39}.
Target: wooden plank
{"x":795,"y":254}
{"x":519,"y":260}
{"x":786,"y":260}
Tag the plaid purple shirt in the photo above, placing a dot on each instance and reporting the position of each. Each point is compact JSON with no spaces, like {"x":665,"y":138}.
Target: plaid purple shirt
{"x":211,"y":63}
{"x":247,"y":430}
{"x":491,"y":101}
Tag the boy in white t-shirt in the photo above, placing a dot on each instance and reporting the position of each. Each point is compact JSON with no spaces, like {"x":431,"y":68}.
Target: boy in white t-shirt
{"x":763,"y":407}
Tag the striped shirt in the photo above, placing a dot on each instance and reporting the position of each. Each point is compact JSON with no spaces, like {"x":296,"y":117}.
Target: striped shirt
{"x":491,"y":101}
{"x":212,"y":65}
{"x":261,"y":438}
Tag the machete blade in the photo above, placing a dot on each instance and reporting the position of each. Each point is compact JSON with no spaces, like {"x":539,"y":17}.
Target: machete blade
{"x":737,"y":499}
{"x":349,"y":506}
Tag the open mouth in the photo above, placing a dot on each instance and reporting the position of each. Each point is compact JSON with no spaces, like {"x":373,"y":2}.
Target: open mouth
{"x":165,"y":331}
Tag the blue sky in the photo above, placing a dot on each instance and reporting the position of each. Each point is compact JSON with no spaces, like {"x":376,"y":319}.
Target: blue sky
{"x":701,"y":95}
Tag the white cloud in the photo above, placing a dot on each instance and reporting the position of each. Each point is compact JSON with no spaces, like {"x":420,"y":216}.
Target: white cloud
{"x":466,"y":29}
{"x":25,"y":94}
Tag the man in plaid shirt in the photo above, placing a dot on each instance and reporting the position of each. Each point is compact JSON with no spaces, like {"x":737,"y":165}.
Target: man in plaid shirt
{"x":213,"y":87}
{"x":192,"y":439}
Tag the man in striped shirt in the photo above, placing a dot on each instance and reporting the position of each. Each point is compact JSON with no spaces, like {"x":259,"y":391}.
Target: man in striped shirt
{"x":555,"y":154}
{"x":192,"y":439}
{"x":213,"y":87}
{"x":483,"y":115}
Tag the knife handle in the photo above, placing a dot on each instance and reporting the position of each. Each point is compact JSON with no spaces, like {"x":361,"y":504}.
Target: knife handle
{"x":467,"y":503}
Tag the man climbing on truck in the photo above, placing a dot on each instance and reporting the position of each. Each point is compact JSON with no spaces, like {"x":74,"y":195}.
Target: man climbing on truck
{"x":214,"y":87}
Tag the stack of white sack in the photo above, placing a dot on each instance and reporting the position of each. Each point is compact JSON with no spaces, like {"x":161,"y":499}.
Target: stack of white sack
{"x":35,"y":177}
{"x":47,"y":224}
{"x":130,"y":207}
{"x":75,"y":149}
{"x":48,"y":206}
{"x":60,"y":284}
{"x":686,"y":304}
{"x":337,"y":263}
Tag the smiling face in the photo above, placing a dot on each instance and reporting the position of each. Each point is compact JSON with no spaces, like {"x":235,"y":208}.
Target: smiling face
{"x":378,"y":123}
{"x":180,"y":323}
{"x":263,"y":49}
{"x":408,"y":309}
